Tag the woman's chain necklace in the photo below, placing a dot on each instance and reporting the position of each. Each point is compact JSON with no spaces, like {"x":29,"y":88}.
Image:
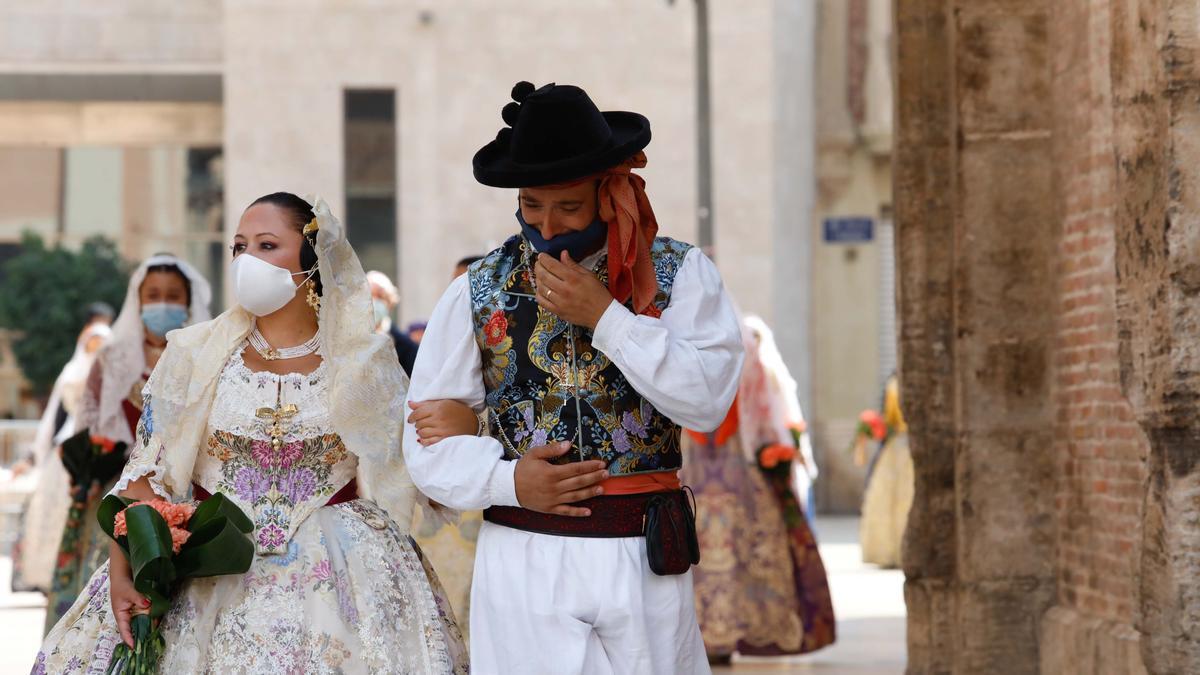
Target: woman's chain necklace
{"x":270,"y":353}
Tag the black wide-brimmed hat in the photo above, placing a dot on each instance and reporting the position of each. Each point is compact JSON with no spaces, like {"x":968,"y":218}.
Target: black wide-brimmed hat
{"x":557,"y":135}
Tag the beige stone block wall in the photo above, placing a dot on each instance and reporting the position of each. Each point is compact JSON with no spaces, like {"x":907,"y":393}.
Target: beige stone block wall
{"x":87,"y":35}
{"x":452,"y":67}
{"x":853,"y":178}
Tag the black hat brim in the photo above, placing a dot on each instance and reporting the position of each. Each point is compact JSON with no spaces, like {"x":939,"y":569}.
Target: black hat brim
{"x":630,"y":134}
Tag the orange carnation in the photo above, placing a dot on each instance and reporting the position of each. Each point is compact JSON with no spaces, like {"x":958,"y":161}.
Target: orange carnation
{"x":176,"y":516}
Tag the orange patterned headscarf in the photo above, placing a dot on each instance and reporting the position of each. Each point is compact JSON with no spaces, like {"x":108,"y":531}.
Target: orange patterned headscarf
{"x":632,"y":228}
{"x":631,"y":232}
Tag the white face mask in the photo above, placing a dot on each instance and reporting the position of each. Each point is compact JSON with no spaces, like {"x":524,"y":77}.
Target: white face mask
{"x":262,"y":288}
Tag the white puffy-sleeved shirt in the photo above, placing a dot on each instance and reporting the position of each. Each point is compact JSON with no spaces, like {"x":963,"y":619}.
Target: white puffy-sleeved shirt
{"x":686,"y":363}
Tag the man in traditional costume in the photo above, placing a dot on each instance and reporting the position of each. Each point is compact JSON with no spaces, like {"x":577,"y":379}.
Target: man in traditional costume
{"x":589,"y":341}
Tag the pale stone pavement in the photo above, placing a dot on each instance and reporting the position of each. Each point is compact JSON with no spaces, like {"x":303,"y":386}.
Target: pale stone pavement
{"x":869,"y":603}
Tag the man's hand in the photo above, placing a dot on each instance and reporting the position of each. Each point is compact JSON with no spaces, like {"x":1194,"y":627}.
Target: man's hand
{"x":569,"y":291}
{"x":545,"y":487}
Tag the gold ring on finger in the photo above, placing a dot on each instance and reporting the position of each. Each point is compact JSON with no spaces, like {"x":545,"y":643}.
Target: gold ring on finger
{"x":549,"y":292}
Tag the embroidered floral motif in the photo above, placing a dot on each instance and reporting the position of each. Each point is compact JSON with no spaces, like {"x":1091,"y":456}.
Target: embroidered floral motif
{"x":276,"y":483}
{"x":545,"y":380}
{"x":496,"y":329}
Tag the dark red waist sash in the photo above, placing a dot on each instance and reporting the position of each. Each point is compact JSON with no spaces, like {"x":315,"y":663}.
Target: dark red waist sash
{"x":348,"y":493}
{"x":612,"y":516}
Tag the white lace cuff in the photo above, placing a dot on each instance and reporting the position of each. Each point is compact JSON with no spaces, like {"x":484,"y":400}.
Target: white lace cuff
{"x":153,"y":473}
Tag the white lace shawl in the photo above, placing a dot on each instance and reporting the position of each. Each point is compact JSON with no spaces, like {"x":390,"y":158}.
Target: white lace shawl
{"x":123,"y":360}
{"x":367,"y":387}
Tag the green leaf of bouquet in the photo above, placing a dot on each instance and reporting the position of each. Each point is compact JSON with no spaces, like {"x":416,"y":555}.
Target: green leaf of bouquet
{"x":149,"y":547}
{"x":154,"y":591}
{"x":107,"y":512}
{"x":219,"y":507}
{"x":216,"y":548}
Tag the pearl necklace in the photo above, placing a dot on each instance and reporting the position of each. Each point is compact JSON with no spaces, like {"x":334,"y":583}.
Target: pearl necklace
{"x":270,"y":353}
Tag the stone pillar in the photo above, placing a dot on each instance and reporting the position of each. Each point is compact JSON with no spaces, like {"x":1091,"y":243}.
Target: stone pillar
{"x":1155,"y":86}
{"x":976,"y":227}
{"x":925,"y":182}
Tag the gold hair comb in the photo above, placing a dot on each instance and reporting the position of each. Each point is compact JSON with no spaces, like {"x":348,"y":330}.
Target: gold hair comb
{"x":311,"y":227}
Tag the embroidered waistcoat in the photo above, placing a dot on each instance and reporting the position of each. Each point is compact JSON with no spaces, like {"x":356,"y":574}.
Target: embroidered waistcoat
{"x":545,"y":381}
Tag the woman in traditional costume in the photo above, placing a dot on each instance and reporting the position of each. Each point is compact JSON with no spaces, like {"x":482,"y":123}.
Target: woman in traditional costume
{"x":164,"y":293}
{"x":46,"y":512}
{"x":760,"y":586}
{"x":889,"y":492}
{"x":290,"y":405}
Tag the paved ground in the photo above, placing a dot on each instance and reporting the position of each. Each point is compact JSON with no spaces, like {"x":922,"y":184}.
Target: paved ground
{"x":21,"y":617}
{"x":869,"y":603}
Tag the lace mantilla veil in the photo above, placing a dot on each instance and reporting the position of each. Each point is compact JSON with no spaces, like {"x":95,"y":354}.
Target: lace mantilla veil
{"x":367,"y":387}
{"x":123,"y":359}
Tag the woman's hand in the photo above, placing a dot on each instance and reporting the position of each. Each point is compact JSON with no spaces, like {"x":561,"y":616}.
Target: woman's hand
{"x":438,"y":420}
{"x":126,"y":601}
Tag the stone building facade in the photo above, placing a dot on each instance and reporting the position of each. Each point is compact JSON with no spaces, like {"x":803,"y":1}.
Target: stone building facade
{"x":1047,"y":212}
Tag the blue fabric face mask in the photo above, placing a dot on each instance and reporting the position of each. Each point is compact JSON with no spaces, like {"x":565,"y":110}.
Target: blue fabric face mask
{"x":161,"y":318}
{"x":381,"y":310}
{"x":578,"y":244}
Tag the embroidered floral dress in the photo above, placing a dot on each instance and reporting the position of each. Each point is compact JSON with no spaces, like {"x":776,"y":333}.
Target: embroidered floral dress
{"x":332,"y":589}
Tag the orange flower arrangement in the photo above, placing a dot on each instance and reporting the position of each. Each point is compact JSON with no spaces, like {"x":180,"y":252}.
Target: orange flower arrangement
{"x":871,"y":423}
{"x":104,"y":444}
{"x":772,"y":456}
{"x":176,"y":515}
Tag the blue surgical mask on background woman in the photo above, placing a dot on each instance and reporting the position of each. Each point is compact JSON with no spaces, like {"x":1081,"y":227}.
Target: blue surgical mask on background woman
{"x":161,"y":318}
{"x":382,"y":311}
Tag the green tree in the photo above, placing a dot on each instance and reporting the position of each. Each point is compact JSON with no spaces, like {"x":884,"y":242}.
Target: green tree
{"x":43,"y":295}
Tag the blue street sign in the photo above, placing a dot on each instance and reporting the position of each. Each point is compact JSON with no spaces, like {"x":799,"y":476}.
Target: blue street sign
{"x":849,"y":230}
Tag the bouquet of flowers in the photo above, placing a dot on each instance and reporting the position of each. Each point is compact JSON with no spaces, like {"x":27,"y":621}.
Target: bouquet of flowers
{"x":776,"y":458}
{"x":871,"y":425}
{"x":91,"y":459}
{"x":165,"y":544}
{"x":775,"y":462}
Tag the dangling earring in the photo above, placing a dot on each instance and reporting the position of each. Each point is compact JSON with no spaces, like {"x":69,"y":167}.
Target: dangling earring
{"x":313,"y":299}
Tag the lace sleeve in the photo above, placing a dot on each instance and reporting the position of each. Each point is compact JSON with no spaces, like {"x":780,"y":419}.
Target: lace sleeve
{"x":89,"y":402}
{"x":145,"y":456}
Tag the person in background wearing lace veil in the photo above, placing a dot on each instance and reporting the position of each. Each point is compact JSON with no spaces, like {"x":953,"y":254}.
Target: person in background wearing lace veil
{"x":287,"y":404}
{"x":164,"y":293}
{"x":36,"y":548}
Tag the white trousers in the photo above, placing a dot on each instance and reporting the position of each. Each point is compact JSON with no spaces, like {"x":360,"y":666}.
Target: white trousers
{"x":547,"y":604}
